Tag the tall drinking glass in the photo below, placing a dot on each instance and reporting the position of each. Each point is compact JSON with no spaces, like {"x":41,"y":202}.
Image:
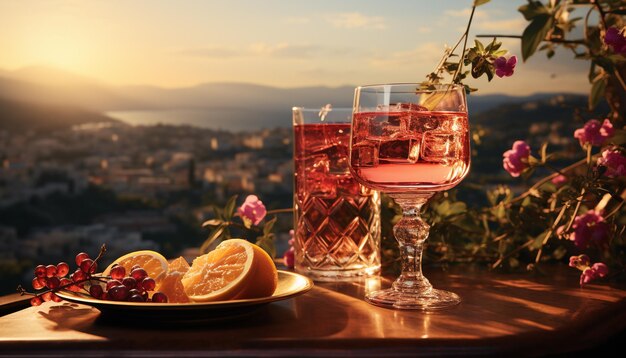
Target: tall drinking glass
{"x":337,"y":220}
{"x":410,"y":143}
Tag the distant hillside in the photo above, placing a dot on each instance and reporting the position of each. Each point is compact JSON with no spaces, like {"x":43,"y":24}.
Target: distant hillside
{"x":551,"y":120}
{"x":21,"y":116}
{"x":39,"y":84}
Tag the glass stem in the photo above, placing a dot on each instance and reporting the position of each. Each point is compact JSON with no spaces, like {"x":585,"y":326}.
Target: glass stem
{"x":411,"y":232}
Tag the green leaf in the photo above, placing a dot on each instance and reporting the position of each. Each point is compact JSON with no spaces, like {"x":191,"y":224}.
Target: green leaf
{"x":534,"y":34}
{"x":214,"y":235}
{"x":480,"y":2}
{"x":269,"y":225}
{"x":457,"y":208}
{"x":267,"y":244}
{"x":544,"y":152}
{"x":479,"y":46}
{"x":597,"y":92}
{"x":500,"y":53}
{"x":493,"y":46}
{"x":219,"y":213}
{"x":212,"y":222}
{"x":533,"y":9}
{"x":538,"y":240}
{"x":229,"y":208}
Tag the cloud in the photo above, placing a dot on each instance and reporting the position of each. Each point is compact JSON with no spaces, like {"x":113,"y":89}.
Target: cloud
{"x":507,"y":26}
{"x":212,"y":52}
{"x":424,"y":30}
{"x":465,"y":13}
{"x":325,"y":73}
{"x":283,"y":50}
{"x":428,"y":53}
{"x":279,"y":50}
{"x":489,"y":21}
{"x":356,"y":20}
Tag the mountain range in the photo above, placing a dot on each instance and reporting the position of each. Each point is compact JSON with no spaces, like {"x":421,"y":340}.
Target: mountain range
{"x":241,"y":105}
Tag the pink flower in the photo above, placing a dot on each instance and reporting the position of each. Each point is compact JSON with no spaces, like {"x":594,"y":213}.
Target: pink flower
{"x":504,"y":67}
{"x":559,"y":179}
{"x":516,"y":159}
{"x":579,"y":261}
{"x":614,"y":162}
{"x":594,"y":132}
{"x":590,"y":227}
{"x":288,"y":256}
{"x":598,"y":270}
{"x":252,"y":211}
{"x":587,"y":276}
{"x":616,"y":39}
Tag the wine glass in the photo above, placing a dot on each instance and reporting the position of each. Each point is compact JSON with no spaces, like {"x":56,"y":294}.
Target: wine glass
{"x":410,"y":143}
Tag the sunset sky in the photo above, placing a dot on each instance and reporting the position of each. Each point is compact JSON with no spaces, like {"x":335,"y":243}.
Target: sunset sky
{"x":278,"y":43}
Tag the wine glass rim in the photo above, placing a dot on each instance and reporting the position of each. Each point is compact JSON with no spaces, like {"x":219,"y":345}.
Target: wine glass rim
{"x":395,"y":87}
{"x":312,"y":109}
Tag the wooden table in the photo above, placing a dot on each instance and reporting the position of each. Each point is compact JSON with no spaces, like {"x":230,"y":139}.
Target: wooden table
{"x":500,"y":314}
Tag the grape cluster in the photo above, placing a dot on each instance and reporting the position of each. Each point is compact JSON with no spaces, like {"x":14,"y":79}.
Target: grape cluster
{"x":116,"y":287}
{"x":133,"y":287}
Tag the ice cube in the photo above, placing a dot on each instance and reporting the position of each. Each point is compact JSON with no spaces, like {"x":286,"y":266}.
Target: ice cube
{"x":440,"y":147}
{"x":423,"y":123}
{"x":397,"y":149}
{"x":317,"y":163}
{"x":414,"y":150}
{"x":317,"y":181}
{"x":365,"y":154}
{"x":410,"y":107}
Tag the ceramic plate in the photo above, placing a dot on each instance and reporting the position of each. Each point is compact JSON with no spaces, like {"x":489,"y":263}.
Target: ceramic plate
{"x":289,"y":285}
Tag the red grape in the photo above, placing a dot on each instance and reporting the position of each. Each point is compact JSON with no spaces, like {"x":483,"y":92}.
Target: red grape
{"x":53,"y":282}
{"x":129,"y":282}
{"x":139,"y":274}
{"x":135,"y":298}
{"x":67,"y":283}
{"x":80,"y":257}
{"x":159,"y":297}
{"x":62,"y":269}
{"x":135,"y":267}
{"x":118,"y":272}
{"x":78,"y":275}
{"x":134,"y":291}
{"x":46,"y":296}
{"x":40,"y":271}
{"x":112,"y":283}
{"x":56,"y":298}
{"x":36,"y":301}
{"x":105,"y":296}
{"x":96,"y":291}
{"x":51,"y":271}
{"x":148,"y":284}
{"x":118,"y":293}
{"x":39,"y":283}
{"x":88,"y":266}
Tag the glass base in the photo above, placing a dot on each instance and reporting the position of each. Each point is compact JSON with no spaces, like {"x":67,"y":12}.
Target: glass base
{"x":338,"y":275}
{"x":428,"y":300}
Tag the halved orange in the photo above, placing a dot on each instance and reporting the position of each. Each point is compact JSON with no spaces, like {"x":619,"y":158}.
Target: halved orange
{"x":171,"y":284}
{"x":236,"y":269}
{"x":153,"y":262}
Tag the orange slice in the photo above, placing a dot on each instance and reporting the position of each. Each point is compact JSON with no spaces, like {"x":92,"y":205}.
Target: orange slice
{"x":171,"y":283}
{"x":236,"y":269}
{"x":153,"y":262}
